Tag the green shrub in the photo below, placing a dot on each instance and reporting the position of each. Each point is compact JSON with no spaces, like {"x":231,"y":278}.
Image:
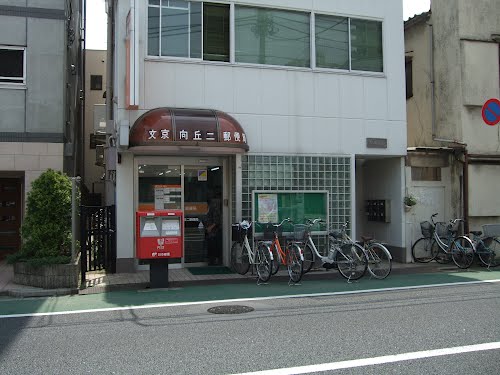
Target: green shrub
{"x":46,"y":230}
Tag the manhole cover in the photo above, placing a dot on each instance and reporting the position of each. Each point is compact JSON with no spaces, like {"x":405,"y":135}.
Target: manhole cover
{"x":231,"y":309}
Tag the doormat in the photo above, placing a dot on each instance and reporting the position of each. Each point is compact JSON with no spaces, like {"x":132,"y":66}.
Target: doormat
{"x":211,"y":270}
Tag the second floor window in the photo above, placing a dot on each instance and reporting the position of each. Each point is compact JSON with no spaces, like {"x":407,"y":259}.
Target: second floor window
{"x":273,"y":37}
{"x":12,"y":65}
{"x":175,"y":29}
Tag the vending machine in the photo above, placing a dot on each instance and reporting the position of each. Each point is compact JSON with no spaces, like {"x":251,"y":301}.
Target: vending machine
{"x":159,"y":234}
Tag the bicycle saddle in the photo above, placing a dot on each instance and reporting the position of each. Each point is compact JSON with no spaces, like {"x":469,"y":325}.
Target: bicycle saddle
{"x":335,"y":233}
{"x":476,"y":232}
{"x":367,"y":238}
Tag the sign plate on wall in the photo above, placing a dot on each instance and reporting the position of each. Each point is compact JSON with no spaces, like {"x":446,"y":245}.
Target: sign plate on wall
{"x":376,"y":142}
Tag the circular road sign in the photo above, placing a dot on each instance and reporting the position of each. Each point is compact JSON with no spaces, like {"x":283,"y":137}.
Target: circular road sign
{"x":491,"y":112}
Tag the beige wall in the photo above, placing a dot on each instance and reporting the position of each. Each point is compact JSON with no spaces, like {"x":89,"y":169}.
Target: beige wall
{"x":95,"y":64}
{"x":418,"y":107}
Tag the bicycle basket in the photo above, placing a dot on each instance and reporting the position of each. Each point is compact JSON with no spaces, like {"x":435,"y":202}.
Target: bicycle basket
{"x":238,"y":233}
{"x":269,"y":229}
{"x":299,"y":231}
{"x":491,"y":230}
{"x":443,"y":229}
{"x":427,"y":229}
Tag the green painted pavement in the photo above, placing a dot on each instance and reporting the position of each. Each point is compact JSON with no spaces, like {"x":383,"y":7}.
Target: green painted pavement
{"x":9,"y":306}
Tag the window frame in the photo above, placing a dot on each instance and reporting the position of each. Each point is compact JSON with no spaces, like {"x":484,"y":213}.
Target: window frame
{"x":312,"y":46}
{"x":19,"y":81}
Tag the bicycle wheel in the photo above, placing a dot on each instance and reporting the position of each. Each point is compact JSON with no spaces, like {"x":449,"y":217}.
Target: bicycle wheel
{"x":351,"y":261}
{"x":276,"y":260}
{"x":263,"y":263}
{"x":379,"y":261}
{"x":294,"y":263}
{"x":441,"y":256}
{"x":462,"y":252}
{"x":309,"y":258}
{"x":239,"y":258}
{"x":489,"y":254}
{"x":422,"y":250}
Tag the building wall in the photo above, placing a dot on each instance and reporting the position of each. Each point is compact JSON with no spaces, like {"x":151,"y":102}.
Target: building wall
{"x":32,"y":116}
{"x":419,"y":107}
{"x":283,"y":110}
{"x":95,"y":64}
{"x":466,"y":67}
{"x":287,"y":102}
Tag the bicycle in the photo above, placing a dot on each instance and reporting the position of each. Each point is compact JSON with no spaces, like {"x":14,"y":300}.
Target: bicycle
{"x":487,"y":247}
{"x":291,"y":257}
{"x":379,"y":258}
{"x":344,"y":254}
{"x":432,"y":246}
{"x":242,"y":254}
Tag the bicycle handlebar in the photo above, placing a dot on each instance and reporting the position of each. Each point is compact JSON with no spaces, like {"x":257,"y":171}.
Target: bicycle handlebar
{"x":282,"y":221}
{"x":314,"y":221}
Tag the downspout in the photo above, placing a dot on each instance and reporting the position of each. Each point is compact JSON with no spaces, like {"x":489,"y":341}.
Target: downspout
{"x":433,"y":99}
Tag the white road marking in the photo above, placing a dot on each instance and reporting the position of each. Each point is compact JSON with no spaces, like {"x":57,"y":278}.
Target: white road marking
{"x":249,"y":299}
{"x":378,"y":360}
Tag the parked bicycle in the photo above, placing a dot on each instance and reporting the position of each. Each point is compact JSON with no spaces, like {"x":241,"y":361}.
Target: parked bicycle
{"x":291,"y":256}
{"x":486,"y":245}
{"x":379,"y":258}
{"x":344,"y":254}
{"x":441,"y":242}
{"x":242,"y":254}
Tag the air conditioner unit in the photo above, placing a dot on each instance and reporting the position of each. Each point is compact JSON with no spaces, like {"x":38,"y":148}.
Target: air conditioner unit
{"x":99,"y":155}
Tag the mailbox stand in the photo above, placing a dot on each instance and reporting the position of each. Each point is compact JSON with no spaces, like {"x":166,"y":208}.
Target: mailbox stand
{"x":159,"y":237}
{"x":158,"y":273}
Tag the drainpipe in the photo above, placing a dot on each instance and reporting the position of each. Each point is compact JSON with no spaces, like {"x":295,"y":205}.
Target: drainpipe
{"x":433,"y":99}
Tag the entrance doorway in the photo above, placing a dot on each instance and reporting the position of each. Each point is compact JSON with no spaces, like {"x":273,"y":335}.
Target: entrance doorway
{"x":195,"y":186}
{"x":10,"y":215}
{"x":203,"y":214}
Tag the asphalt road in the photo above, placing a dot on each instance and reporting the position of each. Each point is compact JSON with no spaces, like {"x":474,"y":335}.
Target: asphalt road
{"x":278,"y":334}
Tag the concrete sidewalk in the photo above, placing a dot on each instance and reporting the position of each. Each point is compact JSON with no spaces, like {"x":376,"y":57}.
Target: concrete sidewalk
{"x":100,"y":282}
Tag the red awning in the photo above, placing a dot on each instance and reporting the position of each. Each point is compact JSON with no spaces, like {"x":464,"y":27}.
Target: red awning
{"x":166,"y":128}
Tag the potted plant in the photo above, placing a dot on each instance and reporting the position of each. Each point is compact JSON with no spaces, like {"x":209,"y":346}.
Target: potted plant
{"x":45,"y":256}
{"x":409,"y":201}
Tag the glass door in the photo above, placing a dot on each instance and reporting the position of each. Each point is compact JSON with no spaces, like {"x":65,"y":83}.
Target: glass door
{"x":203,"y":214}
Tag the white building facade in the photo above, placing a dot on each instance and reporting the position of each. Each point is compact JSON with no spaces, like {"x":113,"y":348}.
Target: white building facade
{"x":230,"y":97}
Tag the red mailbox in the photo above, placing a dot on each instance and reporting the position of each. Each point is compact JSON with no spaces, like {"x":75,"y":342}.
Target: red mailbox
{"x":159,"y":234}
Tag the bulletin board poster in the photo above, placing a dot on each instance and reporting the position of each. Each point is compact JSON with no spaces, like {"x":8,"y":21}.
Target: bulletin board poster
{"x":274,"y":206}
{"x":268,"y":208}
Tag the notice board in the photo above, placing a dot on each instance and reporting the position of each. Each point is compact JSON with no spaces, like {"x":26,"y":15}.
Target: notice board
{"x":274,"y":206}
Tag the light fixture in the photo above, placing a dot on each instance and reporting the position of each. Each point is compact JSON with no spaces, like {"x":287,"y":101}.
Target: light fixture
{"x":215,"y":169}
{"x":160,"y":174}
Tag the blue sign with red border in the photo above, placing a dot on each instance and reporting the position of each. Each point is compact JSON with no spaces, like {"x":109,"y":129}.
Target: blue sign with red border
{"x":491,"y":112}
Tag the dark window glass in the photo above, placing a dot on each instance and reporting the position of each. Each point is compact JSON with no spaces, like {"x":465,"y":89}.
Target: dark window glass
{"x":216,"y":32}
{"x":426,"y":173}
{"x":409,"y":78}
{"x":11,"y":65}
{"x":332,"y":42}
{"x":153,"y":31}
{"x":96,"y":82}
{"x":366,"y":45}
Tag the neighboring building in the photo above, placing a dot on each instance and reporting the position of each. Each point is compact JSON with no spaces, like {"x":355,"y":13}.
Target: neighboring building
{"x":230,"y":97}
{"x":452,"y":69}
{"x":95,"y":123}
{"x":40,"y":90}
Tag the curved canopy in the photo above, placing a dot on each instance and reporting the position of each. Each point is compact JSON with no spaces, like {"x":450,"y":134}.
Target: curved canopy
{"x":203,"y":128}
